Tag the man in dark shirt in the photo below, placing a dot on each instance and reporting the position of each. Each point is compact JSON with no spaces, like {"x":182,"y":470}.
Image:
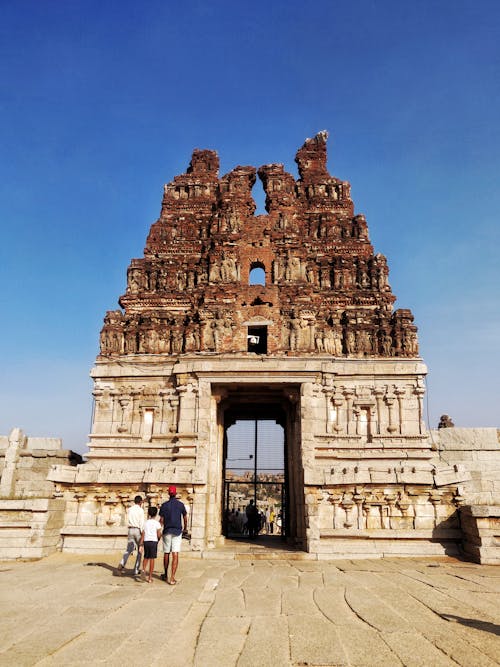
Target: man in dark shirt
{"x":173,"y":518}
{"x":252,"y":520}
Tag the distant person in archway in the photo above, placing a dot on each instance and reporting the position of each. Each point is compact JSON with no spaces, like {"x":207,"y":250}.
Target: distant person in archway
{"x":252,"y":519}
{"x":268,"y":520}
{"x":272,"y":518}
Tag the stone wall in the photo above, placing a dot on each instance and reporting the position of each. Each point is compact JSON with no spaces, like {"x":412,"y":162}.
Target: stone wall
{"x":481,"y":533}
{"x":30,"y":528}
{"x":25,"y":462}
{"x":31,"y":516}
{"x":478,"y":450}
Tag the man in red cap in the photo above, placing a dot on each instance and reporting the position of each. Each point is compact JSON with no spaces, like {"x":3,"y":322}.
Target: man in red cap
{"x":173,"y":518}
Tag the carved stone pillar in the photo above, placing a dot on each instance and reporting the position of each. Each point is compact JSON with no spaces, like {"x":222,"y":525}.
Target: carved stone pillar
{"x":135,"y":424}
{"x":348,"y":395}
{"x":100,"y":519}
{"x":335,"y":501}
{"x":187,"y":407}
{"x":97,"y":396}
{"x":390,"y":499}
{"x":404,"y":505}
{"x":379,"y":394}
{"x":174,"y":413}
{"x":435,"y":499}
{"x":400,"y":392}
{"x":392,"y":426}
{"x":347,"y":505}
{"x":338,"y":402}
{"x":116,"y":411}
{"x":80,"y":496}
{"x":356,"y":412}
{"x":384,"y":511}
{"x":330,"y":411}
{"x":358,"y":499}
{"x":124,"y":499}
{"x":123,"y":403}
{"x":420,"y":392}
{"x":165,"y":411}
{"x":113,"y":515}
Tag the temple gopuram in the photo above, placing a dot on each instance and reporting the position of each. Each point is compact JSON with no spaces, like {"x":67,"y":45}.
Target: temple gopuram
{"x":284,"y":318}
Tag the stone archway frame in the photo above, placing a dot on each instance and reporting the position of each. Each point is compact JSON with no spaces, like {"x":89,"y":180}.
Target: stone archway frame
{"x":256,"y":399}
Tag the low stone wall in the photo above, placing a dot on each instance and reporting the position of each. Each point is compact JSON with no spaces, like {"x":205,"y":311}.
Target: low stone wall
{"x":481,"y":533}
{"x":30,"y":527}
{"x":93,"y":539}
{"x":97,"y":540}
{"x":25,"y":463}
{"x":31,"y":517}
{"x":478,"y":451}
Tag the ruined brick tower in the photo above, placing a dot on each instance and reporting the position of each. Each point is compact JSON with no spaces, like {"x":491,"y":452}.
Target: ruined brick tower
{"x":325,"y":290}
{"x":313,"y":343}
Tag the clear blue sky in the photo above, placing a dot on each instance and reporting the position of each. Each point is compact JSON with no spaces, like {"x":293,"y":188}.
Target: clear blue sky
{"x":101,"y":103}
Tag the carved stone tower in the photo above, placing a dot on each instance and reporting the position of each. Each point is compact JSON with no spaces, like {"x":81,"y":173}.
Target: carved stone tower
{"x":314,"y":341}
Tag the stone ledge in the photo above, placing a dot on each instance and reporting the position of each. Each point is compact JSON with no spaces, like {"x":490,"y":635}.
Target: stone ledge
{"x":31,"y":504}
{"x":481,"y":510}
{"x":98,"y":531}
{"x":431,"y":535}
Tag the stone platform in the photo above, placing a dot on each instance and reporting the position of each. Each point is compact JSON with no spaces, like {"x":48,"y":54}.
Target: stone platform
{"x":72,"y":610}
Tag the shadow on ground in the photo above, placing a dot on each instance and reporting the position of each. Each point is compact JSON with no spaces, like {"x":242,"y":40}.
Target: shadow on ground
{"x":473,"y":623}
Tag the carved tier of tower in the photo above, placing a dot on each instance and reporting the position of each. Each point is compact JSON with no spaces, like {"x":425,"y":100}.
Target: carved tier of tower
{"x":326,"y":292}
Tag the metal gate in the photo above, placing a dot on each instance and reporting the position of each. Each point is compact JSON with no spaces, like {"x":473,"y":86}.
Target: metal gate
{"x":255,"y":473}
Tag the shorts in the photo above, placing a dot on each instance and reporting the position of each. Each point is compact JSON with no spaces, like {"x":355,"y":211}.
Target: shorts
{"x":172,"y":543}
{"x":150,"y":549}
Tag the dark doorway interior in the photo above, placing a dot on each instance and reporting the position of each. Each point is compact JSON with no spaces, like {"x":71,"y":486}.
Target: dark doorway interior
{"x":257,"y":339}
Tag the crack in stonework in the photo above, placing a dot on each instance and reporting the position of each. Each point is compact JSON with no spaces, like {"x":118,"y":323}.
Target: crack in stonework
{"x":363,"y":620}
{"x":198,"y":634}
{"x":59,"y":648}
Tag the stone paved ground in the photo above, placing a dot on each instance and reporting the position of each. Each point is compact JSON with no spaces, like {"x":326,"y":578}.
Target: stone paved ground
{"x":71,"y":610}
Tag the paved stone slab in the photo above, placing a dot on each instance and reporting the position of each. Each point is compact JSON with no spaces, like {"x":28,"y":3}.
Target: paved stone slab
{"x":267,"y":643}
{"x":229,"y":602}
{"x":374,"y":611}
{"x":298,"y":602}
{"x":262,"y":601}
{"x":365,"y":646}
{"x":59,"y":612}
{"x":315,"y":641}
{"x":221,"y":641}
{"x":416,"y":651}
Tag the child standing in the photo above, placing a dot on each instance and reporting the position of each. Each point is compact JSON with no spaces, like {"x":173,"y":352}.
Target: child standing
{"x":150,"y":536}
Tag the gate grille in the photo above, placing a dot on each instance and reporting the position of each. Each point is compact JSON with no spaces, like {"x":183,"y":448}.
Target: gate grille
{"x":255,"y":470}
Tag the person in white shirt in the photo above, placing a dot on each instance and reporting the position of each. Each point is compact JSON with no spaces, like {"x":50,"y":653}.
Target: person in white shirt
{"x":150,"y":536}
{"x":135,"y":519}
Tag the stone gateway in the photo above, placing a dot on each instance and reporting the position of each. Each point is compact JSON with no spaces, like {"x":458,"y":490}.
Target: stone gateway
{"x":314,"y":343}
